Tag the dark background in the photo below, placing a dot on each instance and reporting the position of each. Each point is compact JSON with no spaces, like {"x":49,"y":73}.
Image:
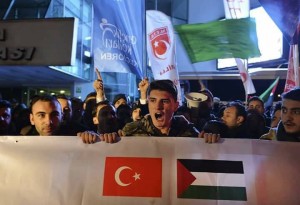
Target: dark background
{"x":228,"y":90}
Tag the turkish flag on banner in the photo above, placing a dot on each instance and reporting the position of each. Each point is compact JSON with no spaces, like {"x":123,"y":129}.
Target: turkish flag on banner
{"x":132,"y":176}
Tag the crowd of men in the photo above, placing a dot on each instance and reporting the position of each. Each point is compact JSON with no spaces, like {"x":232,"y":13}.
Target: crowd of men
{"x":156,"y":113}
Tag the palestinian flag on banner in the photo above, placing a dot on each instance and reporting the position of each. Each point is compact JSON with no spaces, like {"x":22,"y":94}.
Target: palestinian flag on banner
{"x":211,"y":179}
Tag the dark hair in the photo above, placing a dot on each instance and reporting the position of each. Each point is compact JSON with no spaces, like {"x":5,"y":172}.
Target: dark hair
{"x":107,"y":124}
{"x":276,"y":107}
{"x":293,"y":94}
{"x":5,"y":104}
{"x":240,"y":109}
{"x":164,"y":85}
{"x":118,"y":97}
{"x":94,"y":111}
{"x":44,"y":98}
{"x":256,"y":124}
{"x":136,"y":105}
{"x":216,"y":127}
{"x":62,"y":96}
{"x":255,"y":98}
{"x":183,"y":109}
{"x":124,"y":113}
{"x":76,"y":101}
{"x":239,"y":101}
{"x":89,"y":96}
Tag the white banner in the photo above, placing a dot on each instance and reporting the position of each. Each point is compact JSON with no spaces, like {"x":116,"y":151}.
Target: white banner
{"x":161,"y":47}
{"x":63,"y":170}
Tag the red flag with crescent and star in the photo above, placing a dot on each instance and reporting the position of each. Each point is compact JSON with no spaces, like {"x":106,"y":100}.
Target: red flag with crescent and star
{"x":133,"y":176}
{"x":160,"y":42}
{"x":161,"y":47}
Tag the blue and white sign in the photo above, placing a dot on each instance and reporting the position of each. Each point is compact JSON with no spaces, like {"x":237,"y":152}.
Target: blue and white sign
{"x":118,"y":36}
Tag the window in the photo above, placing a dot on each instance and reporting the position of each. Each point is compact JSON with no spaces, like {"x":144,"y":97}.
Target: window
{"x":272,"y":45}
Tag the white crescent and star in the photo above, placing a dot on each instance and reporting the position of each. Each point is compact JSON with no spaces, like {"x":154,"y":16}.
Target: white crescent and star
{"x":136,"y":176}
{"x":162,"y":56}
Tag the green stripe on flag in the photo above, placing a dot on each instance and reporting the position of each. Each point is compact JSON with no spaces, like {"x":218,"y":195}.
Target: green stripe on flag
{"x":215,"y":193}
{"x":230,"y":38}
{"x":265,"y":95}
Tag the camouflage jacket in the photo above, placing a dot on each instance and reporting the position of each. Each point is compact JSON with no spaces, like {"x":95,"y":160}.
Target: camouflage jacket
{"x":279,"y":134}
{"x":180,"y":128}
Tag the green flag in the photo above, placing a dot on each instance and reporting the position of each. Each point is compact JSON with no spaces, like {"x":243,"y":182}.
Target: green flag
{"x":270,"y":91}
{"x":230,"y":38}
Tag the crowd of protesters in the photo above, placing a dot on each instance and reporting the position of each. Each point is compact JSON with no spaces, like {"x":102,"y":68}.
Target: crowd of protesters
{"x":156,"y":113}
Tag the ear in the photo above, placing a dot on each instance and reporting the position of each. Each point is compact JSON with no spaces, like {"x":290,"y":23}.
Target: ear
{"x":95,"y":121}
{"x":31,"y":119}
{"x":240,"y":119}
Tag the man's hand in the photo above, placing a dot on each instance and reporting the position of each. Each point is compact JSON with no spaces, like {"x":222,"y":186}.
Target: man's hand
{"x":98,"y":86}
{"x":110,"y":137}
{"x":89,"y":137}
{"x":121,"y":133}
{"x":209,"y":137}
{"x":143,"y":86}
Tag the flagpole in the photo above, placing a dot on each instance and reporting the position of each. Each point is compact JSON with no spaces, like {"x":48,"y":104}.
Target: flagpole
{"x":145,"y":58}
{"x":235,"y":12}
{"x":296,"y":56}
{"x":245,"y":61}
{"x":246,"y":65}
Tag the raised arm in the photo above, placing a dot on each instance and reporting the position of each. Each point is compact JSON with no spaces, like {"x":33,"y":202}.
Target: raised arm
{"x":143,"y":87}
{"x":99,"y":87}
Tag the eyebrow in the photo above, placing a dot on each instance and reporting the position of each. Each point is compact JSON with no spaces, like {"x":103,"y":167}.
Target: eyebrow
{"x":293,"y":108}
{"x":40,"y":112}
{"x":160,"y":99}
